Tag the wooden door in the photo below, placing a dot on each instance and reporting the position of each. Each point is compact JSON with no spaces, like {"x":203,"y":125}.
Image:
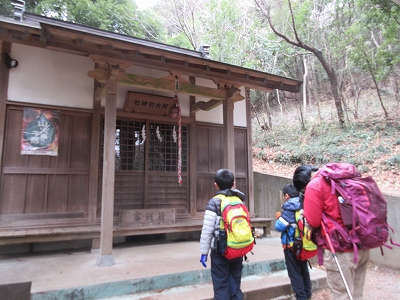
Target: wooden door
{"x":209,"y":150}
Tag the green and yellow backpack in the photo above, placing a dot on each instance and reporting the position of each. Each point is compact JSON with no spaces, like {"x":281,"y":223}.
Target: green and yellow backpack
{"x":235,"y":220}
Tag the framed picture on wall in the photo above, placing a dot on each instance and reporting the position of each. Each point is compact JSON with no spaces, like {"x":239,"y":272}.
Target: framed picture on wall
{"x":40,"y":132}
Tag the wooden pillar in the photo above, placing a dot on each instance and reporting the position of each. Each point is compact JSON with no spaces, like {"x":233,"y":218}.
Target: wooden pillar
{"x":229,"y":133}
{"x":250,"y":175}
{"x":107,"y":207}
{"x":192,"y":156}
{"x":99,"y":88}
{"x":146,"y":170}
{"x":94,"y":164}
{"x":4,"y":74}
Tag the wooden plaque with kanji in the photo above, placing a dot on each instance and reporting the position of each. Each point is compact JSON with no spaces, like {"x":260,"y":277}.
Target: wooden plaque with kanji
{"x":147,"y":103}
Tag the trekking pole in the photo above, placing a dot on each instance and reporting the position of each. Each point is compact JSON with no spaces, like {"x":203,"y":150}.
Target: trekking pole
{"x":336,"y":259}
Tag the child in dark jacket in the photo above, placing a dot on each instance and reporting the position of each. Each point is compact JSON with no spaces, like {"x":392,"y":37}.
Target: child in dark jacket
{"x":226,"y":274}
{"x":286,"y":224}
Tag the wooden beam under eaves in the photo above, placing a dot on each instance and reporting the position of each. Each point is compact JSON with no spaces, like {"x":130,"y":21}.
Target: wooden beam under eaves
{"x":233,"y":93}
{"x":206,"y":106}
{"x":161,"y":84}
{"x":99,"y":92}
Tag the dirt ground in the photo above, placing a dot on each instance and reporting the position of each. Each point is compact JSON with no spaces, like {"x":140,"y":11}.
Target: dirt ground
{"x":380,"y":283}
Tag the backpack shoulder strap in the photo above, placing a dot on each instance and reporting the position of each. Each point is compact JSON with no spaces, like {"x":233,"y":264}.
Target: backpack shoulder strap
{"x":225,"y":200}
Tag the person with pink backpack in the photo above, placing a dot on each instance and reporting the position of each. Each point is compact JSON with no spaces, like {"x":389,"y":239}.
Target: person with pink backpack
{"x":345,"y":276}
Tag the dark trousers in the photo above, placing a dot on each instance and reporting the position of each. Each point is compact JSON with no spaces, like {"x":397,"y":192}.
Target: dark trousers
{"x":226,"y":276}
{"x":299,"y":275}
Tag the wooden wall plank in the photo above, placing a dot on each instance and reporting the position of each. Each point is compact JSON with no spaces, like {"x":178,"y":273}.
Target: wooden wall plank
{"x":57,"y":194}
{"x":240,"y":151}
{"x":35,"y":194}
{"x":205,"y":191}
{"x":202,"y":142}
{"x":215,"y":149}
{"x":77,"y":193}
{"x":65,"y":128}
{"x":12,"y":146}
{"x":80,"y":143}
{"x":13,"y":199}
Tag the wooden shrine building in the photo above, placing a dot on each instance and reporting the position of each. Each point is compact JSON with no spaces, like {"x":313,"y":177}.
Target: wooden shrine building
{"x":92,"y":144}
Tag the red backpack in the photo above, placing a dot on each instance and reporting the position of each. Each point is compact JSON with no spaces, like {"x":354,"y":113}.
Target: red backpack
{"x":363,"y":209}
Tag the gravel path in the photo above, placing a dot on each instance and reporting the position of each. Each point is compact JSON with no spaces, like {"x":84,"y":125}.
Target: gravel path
{"x":380,"y":283}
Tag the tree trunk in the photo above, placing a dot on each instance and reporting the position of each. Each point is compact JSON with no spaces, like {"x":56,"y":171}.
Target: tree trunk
{"x":376,"y":85}
{"x":395,"y":88}
{"x":334,"y":84}
{"x":267,"y":96}
{"x":336,"y":95}
{"x":299,"y":43}
{"x":314,"y":93}
{"x":305,"y":86}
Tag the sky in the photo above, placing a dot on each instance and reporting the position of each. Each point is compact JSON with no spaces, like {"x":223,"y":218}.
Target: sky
{"x":142,"y":4}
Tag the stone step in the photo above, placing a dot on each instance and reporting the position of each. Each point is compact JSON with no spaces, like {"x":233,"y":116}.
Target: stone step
{"x":273,"y":285}
{"x":153,"y":283}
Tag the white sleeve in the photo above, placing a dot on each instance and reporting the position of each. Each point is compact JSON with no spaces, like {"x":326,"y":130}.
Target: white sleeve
{"x":207,"y":232}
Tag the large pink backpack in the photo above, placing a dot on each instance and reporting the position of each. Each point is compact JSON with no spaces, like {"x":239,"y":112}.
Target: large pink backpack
{"x":363,"y":209}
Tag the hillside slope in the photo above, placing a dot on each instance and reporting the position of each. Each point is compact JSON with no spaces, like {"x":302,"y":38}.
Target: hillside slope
{"x":371,"y":142}
{"x":386,"y":179}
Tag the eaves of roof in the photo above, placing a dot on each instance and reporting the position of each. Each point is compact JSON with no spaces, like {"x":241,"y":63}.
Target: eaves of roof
{"x":70,"y":37}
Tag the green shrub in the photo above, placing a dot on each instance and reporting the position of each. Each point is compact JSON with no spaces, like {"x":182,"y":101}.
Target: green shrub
{"x":380,"y":149}
{"x":394,"y":160}
{"x":261,"y":154}
{"x":363,"y":169}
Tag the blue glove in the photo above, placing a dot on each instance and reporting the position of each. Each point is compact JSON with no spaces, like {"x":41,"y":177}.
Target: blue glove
{"x":203,"y":260}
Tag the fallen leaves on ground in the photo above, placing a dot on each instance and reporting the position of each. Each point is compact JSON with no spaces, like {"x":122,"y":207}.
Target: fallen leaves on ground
{"x":386,"y":179}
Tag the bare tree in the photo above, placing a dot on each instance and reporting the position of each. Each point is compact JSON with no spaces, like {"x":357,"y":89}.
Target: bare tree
{"x":298,"y":42}
{"x":263,"y":110}
{"x":182,"y":16}
{"x":376,"y":85}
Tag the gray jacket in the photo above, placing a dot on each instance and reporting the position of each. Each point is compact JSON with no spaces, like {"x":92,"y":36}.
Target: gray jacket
{"x":211,"y":220}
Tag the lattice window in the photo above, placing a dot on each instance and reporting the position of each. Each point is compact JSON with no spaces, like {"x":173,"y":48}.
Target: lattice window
{"x":163,"y":147}
{"x":130,"y":141}
{"x":129,"y":145}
